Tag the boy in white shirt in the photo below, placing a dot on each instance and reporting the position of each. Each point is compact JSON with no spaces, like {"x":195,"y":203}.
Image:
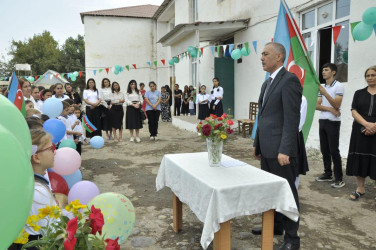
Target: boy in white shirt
{"x":191,"y":106}
{"x":64,"y":118}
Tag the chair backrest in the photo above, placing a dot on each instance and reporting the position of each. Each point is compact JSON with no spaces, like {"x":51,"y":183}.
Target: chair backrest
{"x":253,"y":107}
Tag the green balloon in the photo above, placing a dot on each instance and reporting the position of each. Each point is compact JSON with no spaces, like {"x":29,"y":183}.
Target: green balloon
{"x":118,"y":213}
{"x":245,"y":52}
{"x":362,"y":31}
{"x":171,"y":62}
{"x":67,"y":144}
{"x":191,"y":49}
{"x":13,"y":120}
{"x":236,"y":54}
{"x":194,"y":53}
{"x":369,"y":16}
{"x":16,"y":187}
{"x":176,"y":59}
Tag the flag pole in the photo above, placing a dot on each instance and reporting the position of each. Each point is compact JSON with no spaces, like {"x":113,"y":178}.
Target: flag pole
{"x":299,"y":38}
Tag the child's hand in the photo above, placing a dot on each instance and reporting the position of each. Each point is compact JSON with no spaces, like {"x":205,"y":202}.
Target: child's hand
{"x":76,"y":141}
{"x":78,"y":134}
{"x":77,"y":122}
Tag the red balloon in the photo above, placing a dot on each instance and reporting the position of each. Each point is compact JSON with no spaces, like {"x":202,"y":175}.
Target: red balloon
{"x":58,"y":184}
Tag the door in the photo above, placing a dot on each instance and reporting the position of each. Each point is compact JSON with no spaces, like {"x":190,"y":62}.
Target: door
{"x":224,"y":70}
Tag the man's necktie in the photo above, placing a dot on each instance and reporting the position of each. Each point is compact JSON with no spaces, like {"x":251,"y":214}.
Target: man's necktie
{"x":268,"y":83}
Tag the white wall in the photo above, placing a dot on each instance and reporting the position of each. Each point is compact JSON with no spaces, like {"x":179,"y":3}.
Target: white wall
{"x":124,"y":41}
{"x":182,"y":11}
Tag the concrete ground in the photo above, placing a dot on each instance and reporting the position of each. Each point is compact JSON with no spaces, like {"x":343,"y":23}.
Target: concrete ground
{"x":329,"y":220}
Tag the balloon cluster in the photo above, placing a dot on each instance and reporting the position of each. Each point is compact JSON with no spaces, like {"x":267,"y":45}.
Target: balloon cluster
{"x":17,"y":179}
{"x":364,"y":29}
{"x":73,"y":76}
{"x":118,"y":69}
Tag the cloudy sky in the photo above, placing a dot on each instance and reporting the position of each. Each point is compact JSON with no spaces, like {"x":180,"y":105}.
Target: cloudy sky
{"x":21,"y":19}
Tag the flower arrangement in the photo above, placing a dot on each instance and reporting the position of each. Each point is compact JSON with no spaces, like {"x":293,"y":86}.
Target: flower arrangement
{"x":80,"y":232}
{"x":215,"y":127}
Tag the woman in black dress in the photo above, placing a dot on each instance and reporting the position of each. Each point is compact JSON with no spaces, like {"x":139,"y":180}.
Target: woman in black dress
{"x":116,"y":110}
{"x":185,"y":104}
{"x":134,"y":100}
{"x":93,"y":99}
{"x":361,"y":161}
{"x":216,"y":107}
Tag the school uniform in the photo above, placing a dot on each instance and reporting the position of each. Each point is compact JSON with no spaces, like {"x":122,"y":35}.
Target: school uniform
{"x":94,"y":115}
{"x":64,"y":119}
{"x":216,"y":93}
{"x":78,"y":128}
{"x":191,"y":105}
{"x":203,"y":108}
{"x":64,"y":97}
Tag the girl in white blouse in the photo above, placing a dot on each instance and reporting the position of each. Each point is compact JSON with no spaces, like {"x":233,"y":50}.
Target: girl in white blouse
{"x":216,"y":97}
{"x":106,"y":102}
{"x":93,"y":99}
{"x":203,"y":102}
{"x":133,"y":119}
{"x":116,"y":111}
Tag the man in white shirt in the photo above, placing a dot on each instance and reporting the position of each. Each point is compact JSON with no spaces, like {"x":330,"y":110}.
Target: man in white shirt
{"x":329,"y":103}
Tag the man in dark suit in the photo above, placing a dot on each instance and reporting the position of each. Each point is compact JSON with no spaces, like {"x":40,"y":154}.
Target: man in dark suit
{"x":277,"y":132}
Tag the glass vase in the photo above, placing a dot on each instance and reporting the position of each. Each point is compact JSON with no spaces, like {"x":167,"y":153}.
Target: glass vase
{"x":215,"y":147}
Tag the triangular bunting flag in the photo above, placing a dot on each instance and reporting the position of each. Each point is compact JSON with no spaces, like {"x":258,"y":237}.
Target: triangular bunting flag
{"x":212,"y":49}
{"x":80,"y":74}
{"x":230,"y":47}
{"x":51,"y":76}
{"x":107,"y":69}
{"x":218,"y":50}
{"x":36,"y":78}
{"x":202,"y":51}
{"x":246,"y":45}
{"x":164,"y":61}
{"x":149,"y":63}
{"x":155,"y":63}
{"x":100,"y":70}
{"x":134,"y":66}
{"x":182,"y":55}
{"x":352,"y":25}
{"x":57,"y":75}
{"x":255,"y":46}
{"x":224,"y":48}
{"x":336,"y":31}
{"x":69,"y":74}
{"x":127,"y":67}
{"x":62,"y":74}
{"x":95,"y":72}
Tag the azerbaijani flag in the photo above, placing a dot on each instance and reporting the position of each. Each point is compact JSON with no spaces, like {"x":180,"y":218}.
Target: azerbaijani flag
{"x":88,"y":125}
{"x":298,"y":61}
{"x":15,"y":94}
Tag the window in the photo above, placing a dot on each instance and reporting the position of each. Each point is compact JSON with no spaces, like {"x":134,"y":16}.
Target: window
{"x":317,"y":26}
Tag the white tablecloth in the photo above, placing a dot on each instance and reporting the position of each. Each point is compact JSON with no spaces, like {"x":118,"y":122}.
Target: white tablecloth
{"x":217,"y":194}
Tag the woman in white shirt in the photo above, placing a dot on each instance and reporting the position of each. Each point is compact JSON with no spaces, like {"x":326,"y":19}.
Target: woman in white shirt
{"x":106,"y":102}
{"x":93,"y":99}
{"x":26,"y":91}
{"x":134,"y":100}
{"x":59,"y":92}
{"x":116,"y":111}
{"x":216,"y":107}
{"x":203,"y":102}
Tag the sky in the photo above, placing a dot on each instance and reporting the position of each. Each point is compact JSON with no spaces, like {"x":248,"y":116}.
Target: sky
{"x":21,"y":19}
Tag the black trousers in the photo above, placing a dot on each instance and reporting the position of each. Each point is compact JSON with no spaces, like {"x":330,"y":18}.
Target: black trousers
{"x":94,"y":116}
{"x":329,"y":146}
{"x":281,"y":222}
{"x":177,"y":107}
{"x":153,"y":118}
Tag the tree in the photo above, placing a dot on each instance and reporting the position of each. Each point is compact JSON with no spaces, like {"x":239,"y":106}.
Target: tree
{"x":72,"y":58}
{"x":41,"y":51}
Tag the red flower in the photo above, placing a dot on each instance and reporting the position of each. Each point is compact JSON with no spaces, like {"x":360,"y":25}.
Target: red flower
{"x":70,"y":241}
{"x":229,"y":131}
{"x":206,"y":130}
{"x":198,"y":130}
{"x":96,"y":220}
{"x":213,"y":116}
{"x":218,"y":126}
{"x":220,"y":119}
{"x":207,"y":119}
{"x":230,"y":122}
{"x":112,"y":244}
{"x":224,"y":115}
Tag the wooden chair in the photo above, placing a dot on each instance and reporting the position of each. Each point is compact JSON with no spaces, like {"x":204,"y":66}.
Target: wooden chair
{"x":247,"y":124}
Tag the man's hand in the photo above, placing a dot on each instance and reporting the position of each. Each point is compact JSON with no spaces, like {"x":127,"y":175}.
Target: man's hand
{"x":335,"y":112}
{"x":283,"y":159}
{"x":213,"y":107}
{"x":322,"y":90}
{"x":257,"y":157}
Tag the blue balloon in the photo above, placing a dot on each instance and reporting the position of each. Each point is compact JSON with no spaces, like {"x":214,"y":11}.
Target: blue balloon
{"x":97,"y":142}
{"x":52,"y":107}
{"x":56,"y":128}
{"x":73,"y":178}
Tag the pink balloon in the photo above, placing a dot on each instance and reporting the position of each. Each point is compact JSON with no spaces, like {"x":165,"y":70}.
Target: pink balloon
{"x":84,"y":191}
{"x":66,"y":161}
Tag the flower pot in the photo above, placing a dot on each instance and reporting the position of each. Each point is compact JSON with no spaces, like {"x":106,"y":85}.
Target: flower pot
{"x":215,"y":147}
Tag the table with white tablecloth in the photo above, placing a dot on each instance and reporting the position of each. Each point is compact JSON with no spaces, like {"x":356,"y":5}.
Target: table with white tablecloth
{"x":218,"y":194}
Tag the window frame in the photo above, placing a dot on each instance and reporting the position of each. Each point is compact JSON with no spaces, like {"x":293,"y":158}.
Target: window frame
{"x":317,"y":27}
